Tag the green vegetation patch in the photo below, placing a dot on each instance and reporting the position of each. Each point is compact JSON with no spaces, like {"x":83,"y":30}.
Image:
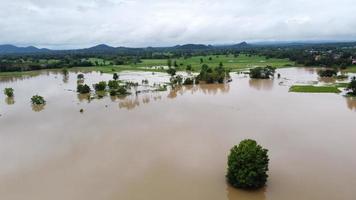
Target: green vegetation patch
{"x":314,"y":89}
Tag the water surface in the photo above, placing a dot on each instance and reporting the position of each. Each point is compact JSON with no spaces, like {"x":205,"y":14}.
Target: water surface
{"x":173,"y":144}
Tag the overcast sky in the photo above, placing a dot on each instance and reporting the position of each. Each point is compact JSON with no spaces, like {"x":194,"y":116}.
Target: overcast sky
{"x":81,"y":23}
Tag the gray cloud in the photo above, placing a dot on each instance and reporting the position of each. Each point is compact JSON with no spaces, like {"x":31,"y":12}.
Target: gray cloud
{"x":81,"y":23}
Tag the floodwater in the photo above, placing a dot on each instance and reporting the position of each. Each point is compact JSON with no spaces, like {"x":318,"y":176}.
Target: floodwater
{"x":174,"y":144}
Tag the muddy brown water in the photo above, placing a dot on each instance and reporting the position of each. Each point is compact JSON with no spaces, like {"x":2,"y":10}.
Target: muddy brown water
{"x":173,"y":144}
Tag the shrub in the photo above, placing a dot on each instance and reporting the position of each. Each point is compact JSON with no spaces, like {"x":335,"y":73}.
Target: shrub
{"x":65,"y":71}
{"x":101,"y":86}
{"x":122,"y":91}
{"x":247,"y":165}
{"x":188,"y":81}
{"x":9,"y":92}
{"x":38,"y":100}
{"x":80,"y":76}
{"x":176,"y":80}
{"x":171,"y":71}
{"x":189,"y":68}
{"x":113,"y":84}
{"x":262,"y":72}
{"x":327,"y":73}
{"x":83,"y":89}
{"x":115,"y":76}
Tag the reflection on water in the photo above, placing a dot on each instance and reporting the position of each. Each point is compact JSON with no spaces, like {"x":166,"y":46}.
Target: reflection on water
{"x":65,"y":78}
{"x":38,"y":108}
{"x":129,"y":102}
{"x":351,"y":103}
{"x":265,"y":84}
{"x":327,"y":79}
{"x":237,"y":194}
{"x":10,"y":100}
{"x":211,"y":89}
{"x":84,"y":97}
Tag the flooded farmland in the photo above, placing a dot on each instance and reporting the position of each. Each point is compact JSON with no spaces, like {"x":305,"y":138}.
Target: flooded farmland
{"x":173,"y":144}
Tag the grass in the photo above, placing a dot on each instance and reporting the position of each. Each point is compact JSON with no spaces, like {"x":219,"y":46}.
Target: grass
{"x":242,"y":62}
{"x":22,"y":73}
{"x":314,"y":89}
{"x":351,"y":69}
{"x":233,"y":63}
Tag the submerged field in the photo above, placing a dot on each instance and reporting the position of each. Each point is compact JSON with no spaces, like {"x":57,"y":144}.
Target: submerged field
{"x":173,"y":144}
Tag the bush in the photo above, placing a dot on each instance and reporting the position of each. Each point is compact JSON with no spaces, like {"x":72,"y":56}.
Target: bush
{"x":101,"y":86}
{"x":262,"y":72}
{"x":327,"y":73}
{"x":176,"y":80}
{"x":247,"y":165}
{"x":115,"y":76}
{"x":113,"y":84}
{"x":80,"y":76}
{"x":9,"y":92}
{"x":83,"y":89}
{"x":171,"y":71}
{"x":65,"y":71}
{"x":188,"y":81}
{"x":38,"y":100}
{"x":189,"y":68}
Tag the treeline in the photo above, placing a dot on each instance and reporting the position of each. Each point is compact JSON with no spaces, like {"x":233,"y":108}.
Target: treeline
{"x":311,"y":56}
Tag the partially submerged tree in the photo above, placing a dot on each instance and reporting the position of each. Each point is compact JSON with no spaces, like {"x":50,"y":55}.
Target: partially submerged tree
{"x":38,"y":100}
{"x":9,"y":92}
{"x":176,"y":80}
{"x":351,"y":88}
{"x":101,"y":86}
{"x":188,"y":81}
{"x":83,"y":89}
{"x":262,"y":72}
{"x":247,"y":165}
{"x":113,"y":84}
{"x":80,"y":76}
{"x":212,"y":75}
{"x":65,"y":71}
{"x":171,"y":71}
{"x":115,"y":76}
{"x":327,"y":73}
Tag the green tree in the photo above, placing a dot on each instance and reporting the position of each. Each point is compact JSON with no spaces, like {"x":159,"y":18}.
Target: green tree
{"x":188,"y":81}
{"x":38,"y":100}
{"x":171,"y":71}
{"x":262,"y":72}
{"x":247,"y":165}
{"x":351,"y":88}
{"x":83,"y":89}
{"x":169,"y":63}
{"x":101,"y":86}
{"x":80,"y":76}
{"x":9,"y":92}
{"x":113,"y":84}
{"x":189,"y":68}
{"x":65,"y":71}
{"x":327,"y":73}
{"x":115,"y":76}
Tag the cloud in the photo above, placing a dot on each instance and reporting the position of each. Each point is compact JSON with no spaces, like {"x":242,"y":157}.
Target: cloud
{"x":82,"y":23}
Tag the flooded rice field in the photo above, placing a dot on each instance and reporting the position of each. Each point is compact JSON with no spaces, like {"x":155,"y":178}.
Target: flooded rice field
{"x":173,"y":144}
